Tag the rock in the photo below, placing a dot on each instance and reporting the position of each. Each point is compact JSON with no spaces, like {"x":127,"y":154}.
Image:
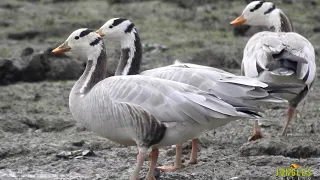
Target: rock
{"x":98,"y":145}
{"x":36,"y":69}
{"x":12,"y":125}
{"x":316,"y":29}
{"x":10,"y":6}
{"x":217,"y":57}
{"x":33,"y":67}
{"x":2,"y":135}
{"x":63,"y":1}
{"x":317,"y":17}
{"x":9,"y":72}
{"x":124,"y":1}
{"x":62,"y":67}
{"x":171,"y":152}
{"x":240,"y":30}
{"x":13,"y":150}
{"x":287,"y":1}
{"x":263,"y":147}
{"x":5,"y":23}
{"x":75,"y":154}
{"x":78,"y":143}
{"x":24,"y":35}
{"x":276,"y":147}
{"x":154,"y":48}
{"x":65,"y":69}
{"x":313,"y":2}
{"x":245,"y":30}
{"x":27,"y":52}
{"x":47,"y":124}
{"x":189,"y":3}
{"x":156,"y":173}
{"x":208,"y":22}
{"x":248,"y":1}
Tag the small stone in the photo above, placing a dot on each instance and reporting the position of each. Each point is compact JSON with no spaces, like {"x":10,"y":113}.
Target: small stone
{"x":287,"y":1}
{"x":87,"y":153}
{"x":27,"y":51}
{"x":37,"y":97}
{"x":23,"y":35}
{"x":78,"y":154}
{"x":240,"y":30}
{"x":80,"y":128}
{"x":171,"y":152}
{"x":316,"y":29}
{"x":64,"y":154}
{"x":154,"y":48}
{"x":78,"y":143}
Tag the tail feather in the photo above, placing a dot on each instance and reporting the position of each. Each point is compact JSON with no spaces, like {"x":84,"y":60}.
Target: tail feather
{"x":282,"y":91}
{"x":274,"y":86}
{"x":284,"y":54}
{"x":251,"y":113}
{"x":284,"y":63}
{"x":271,"y":98}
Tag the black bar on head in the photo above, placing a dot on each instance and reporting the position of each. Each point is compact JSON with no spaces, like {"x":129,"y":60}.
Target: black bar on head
{"x":257,"y":6}
{"x":85,"y":32}
{"x":129,"y":28}
{"x":96,"y":41}
{"x":270,"y":9}
{"x":118,"y":21}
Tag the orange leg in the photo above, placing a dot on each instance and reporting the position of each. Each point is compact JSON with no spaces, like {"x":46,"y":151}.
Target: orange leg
{"x":194,"y":152}
{"x":140,"y":159}
{"x":256,"y":132}
{"x":290,"y":114}
{"x":153,"y":162}
{"x":177,"y":163}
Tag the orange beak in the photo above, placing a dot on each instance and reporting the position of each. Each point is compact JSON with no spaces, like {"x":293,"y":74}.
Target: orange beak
{"x":238,"y":21}
{"x":100,"y":33}
{"x":62,"y":48}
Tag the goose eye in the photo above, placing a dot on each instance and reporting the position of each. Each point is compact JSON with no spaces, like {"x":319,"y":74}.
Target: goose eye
{"x":77,"y":37}
{"x":110,"y":26}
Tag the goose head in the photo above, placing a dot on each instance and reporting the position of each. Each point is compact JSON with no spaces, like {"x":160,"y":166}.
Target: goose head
{"x":119,"y":30}
{"x":84,"y":42}
{"x":258,"y":13}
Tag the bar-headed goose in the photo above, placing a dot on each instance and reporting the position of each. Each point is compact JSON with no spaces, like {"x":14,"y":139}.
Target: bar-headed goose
{"x":222,"y":84}
{"x":278,"y":57}
{"x":141,"y":110}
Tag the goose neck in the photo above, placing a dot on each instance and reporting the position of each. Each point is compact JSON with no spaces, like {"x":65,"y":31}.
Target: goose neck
{"x":95,"y":70}
{"x":131,"y":55}
{"x":279,"y":22}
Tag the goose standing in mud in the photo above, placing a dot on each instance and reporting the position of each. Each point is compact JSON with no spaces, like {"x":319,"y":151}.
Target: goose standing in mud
{"x":277,"y":57}
{"x":141,"y":110}
{"x":222,"y":84}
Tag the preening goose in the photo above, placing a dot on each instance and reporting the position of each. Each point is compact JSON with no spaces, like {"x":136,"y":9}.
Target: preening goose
{"x":278,"y":57}
{"x":141,"y":110}
{"x":222,"y":84}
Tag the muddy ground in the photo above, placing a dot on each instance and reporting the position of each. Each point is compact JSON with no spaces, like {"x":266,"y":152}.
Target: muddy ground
{"x":40,"y":140}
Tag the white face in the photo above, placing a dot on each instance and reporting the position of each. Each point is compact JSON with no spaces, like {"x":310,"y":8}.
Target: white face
{"x":115,"y":29}
{"x":80,"y":41}
{"x":257,"y":13}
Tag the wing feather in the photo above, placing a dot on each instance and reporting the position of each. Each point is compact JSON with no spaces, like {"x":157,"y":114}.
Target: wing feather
{"x":167,"y":101}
